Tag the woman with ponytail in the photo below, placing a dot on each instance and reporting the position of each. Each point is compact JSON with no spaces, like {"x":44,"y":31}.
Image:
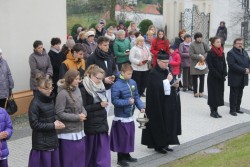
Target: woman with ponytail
{"x":96,"y":126}
{"x":70,"y":110}
{"x":216,"y":76}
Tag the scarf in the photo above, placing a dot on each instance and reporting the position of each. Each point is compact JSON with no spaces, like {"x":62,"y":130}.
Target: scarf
{"x":218,"y":51}
{"x":101,"y":54}
{"x":98,"y":92}
{"x":187,"y":44}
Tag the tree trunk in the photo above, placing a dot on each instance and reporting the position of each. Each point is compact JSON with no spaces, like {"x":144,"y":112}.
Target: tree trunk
{"x":112,"y":10}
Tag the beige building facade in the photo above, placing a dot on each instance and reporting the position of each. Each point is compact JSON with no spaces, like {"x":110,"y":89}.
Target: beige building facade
{"x":21,"y":23}
{"x":220,"y":10}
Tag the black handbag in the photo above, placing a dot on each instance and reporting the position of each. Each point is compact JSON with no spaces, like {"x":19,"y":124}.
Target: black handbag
{"x":10,"y":105}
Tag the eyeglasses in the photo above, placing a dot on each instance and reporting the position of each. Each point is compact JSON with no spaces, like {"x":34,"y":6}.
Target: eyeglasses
{"x":51,"y":88}
{"x":98,"y":78}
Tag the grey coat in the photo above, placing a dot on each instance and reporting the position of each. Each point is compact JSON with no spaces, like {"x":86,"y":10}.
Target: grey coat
{"x":6,"y":80}
{"x":39,"y":63}
{"x":184,"y":53}
{"x":197,"y":48}
{"x":68,"y":110}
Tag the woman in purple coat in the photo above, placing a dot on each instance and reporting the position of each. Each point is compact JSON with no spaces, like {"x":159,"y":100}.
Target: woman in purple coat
{"x":5,"y":134}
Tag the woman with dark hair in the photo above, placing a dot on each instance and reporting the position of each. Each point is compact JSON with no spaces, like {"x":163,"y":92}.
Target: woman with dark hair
{"x":159,"y":43}
{"x":222,"y":33}
{"x":96,"y":126}
{"x":198,"y":53}
{"x":216,"y":76}
{"x":6,"y":80}
{"x":179,"y":39}
{"x":42,"y":120}
{"x":70,"y":110}
{"x":74,"y":60}
{"x":39,"y":62}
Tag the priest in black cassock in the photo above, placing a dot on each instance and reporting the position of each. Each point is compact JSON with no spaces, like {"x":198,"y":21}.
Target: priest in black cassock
{"x":163,"y":108}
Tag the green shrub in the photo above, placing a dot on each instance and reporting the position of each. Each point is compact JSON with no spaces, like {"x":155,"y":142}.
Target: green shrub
{"x":127,"y":23}
{"x":110,"y":23}
{"x":74,"y":29}
{"x":92,"y":25}
{"x":144,"y":24}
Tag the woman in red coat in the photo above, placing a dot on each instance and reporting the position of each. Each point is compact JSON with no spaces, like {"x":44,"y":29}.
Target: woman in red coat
{"x":159,"y":43}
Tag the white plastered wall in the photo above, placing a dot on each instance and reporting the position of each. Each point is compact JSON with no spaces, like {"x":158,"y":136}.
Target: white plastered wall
{"x":21,"y":23}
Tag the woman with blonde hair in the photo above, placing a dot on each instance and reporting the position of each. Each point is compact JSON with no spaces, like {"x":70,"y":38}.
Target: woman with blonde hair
{"x":42,"y":120}
{"x":70,"y":110}
{"x":96,"y":126}
{"x":140,"y":57}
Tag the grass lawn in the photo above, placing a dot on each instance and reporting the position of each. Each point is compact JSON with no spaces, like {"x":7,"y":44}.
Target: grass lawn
{"x":234,"y":153}
{"x":84,"y":19}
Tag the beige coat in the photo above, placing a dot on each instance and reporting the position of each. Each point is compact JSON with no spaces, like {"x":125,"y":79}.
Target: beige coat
{"x":197,"y":48}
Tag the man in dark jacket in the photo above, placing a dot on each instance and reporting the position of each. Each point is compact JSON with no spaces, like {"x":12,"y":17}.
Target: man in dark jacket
{"x":162,"y":108}
{"x":56,"y":61}
{"x":104,"y":59}
{"x":238,"y":70}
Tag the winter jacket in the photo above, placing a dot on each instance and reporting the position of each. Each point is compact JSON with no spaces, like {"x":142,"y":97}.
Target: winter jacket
{"x":222,"y":33}
{"x":5,"y":125}
{"x":175,"y":62}
{"x":6,"y":79}
{"x":136,"y":56}
{"x":195,"y":49}
{"x":68,"y":110}
{"x":120,"y":46}
{"x":39,"y":63}
{"x":41,"y":118}
{"x":97,"y":115}
{"x":121,"y":92}
{"x":90,"y":47}
{"x":184,"y":53}
{"x":99,"y":58}
{"x":72,"y":63}
{"x":237,"y":63}
{"x":56,"y":61}
{"x":158,"y":44}
{"x":177,"y":42}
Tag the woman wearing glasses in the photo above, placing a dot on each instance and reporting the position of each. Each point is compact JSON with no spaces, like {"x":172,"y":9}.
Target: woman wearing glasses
{"x":96,"y":126}
{"x":44,"y":150}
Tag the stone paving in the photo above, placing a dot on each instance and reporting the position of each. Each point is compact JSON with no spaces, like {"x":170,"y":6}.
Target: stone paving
{"x":199,"y":132}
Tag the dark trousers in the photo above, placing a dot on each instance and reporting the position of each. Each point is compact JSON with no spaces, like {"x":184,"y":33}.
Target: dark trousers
{"x":119,"y":65}
{"x":122,"y":156}
{"x":195,"y":83}
{"x":187,"y":78}
{"x":140,"y":78}
{"x":2,"y":102}
{"x":235,"y":98}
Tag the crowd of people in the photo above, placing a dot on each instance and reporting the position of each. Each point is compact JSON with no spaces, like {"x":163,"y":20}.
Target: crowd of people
{"x":74,"y":87}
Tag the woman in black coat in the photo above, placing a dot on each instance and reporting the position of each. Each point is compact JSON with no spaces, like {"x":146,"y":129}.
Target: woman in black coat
{"x":216,"y":77}
{"x":96,"y":126}
{"x":44,"y":150}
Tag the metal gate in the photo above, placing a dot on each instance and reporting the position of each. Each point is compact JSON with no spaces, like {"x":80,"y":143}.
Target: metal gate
{"x":193,"y":21}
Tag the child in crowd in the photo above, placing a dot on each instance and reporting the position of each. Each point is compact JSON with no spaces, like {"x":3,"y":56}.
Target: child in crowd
{"x":175,"y":61}
{"x":125,"y":97}
{"x":44,"y":150}
{"x":5,"y":134}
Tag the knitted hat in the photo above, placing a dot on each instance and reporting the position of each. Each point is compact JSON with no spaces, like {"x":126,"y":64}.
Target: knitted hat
{"x":172,"y":47}
{"x":90,"y":33}
{"x":70,"y":42}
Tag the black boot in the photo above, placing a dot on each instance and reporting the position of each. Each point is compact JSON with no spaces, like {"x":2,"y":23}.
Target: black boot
{"x":216,"y":110}
{"x":130,"y":159}
{"x":213,"y":112}
{"x":168,"y":149}
{"x":121,"y":160}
